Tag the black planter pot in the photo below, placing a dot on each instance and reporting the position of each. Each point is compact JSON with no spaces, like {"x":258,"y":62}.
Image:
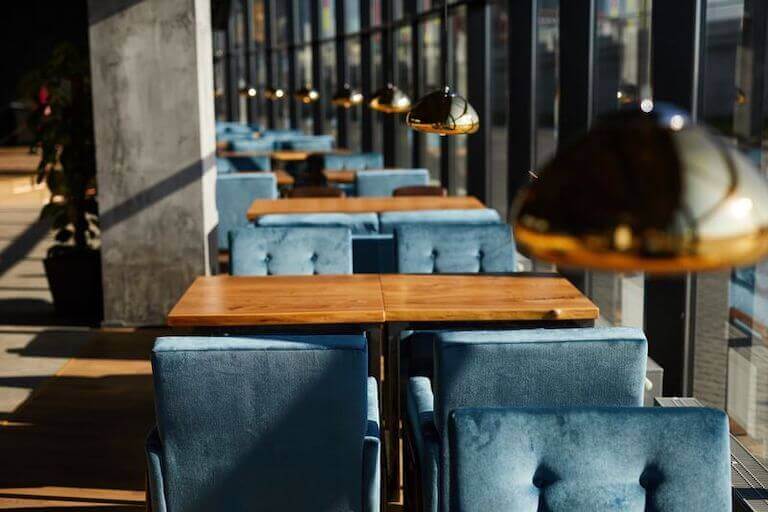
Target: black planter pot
{"x":74,"y":277}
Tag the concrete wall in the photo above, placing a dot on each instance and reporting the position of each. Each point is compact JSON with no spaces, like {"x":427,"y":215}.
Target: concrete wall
{"x":151,"y":66}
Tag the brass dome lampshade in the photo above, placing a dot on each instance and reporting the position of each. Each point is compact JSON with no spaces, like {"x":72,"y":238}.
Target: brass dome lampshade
{"x":250,"y":92}
{"x":307,"y":94}
{"x":274,"y":94}
{"x":646,"y":190}
{"x":347,"y":97}
{"x":443,"y":111}
{"x":390,"y":100}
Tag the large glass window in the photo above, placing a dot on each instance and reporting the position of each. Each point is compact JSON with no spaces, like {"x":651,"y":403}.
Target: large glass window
{"x":547,"y":80}
{"x":328,"y":86}
{"x":355,"y":127}
{"x":404,"y":79}
{"x":282,"y":114}
{"x":304,"y":78}
{"x":499,"y":107}
{"x":377,"y":128}
{"x":327,"y":18}
{"x":431,"y":79}
{"x":458,"y":23}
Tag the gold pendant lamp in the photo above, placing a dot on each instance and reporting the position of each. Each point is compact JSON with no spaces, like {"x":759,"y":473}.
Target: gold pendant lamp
{"x":390,"y":100}
{"x":443,"y":111}
{"x":307,"y":94}
{"x":646,"y":190}
{"x":274,"y":94}
{"x":347,"y":97}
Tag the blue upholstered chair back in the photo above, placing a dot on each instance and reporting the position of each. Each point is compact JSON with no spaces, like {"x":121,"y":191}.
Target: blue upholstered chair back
{"x":459,"y":248}
{"x":359,"y":223}
{"x":260,"y":251}
{"x":244,"y":145}
{"x":583,"y":460}
{"x":234,"y":195}
{"x":278,"y":134}
{"x":223,"y":127}
{"x":306,"y":143}
{"x":390,"y":220}
{"x":354,"y":161}
{"x":223,"y":165}
{"x":273,"y":423}
{"x":382,"y":183}
{"x":538,"y":367}
{"x":250,"y":163}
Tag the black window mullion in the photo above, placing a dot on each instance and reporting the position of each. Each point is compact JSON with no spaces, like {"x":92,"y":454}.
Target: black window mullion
{"x":269,"y":58}
{"x":342,"y":76}
{"x":677,"y":30}
{"x":318,"y":121}
{"x":522,"y":92}
{"x":366,"y":75}
{"x":479,"y":96}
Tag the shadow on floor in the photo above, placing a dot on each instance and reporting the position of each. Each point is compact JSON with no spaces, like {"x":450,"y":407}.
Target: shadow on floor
{"x":35,"y":312}
{"x":89,"y":344}
{"x":69,"y":508}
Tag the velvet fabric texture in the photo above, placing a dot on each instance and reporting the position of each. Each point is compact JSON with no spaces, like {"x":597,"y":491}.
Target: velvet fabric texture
{"x":223,"y":127}
{"x":261,"y":251}
{"x":454,"y":248}
{"x":234,"y":194}
{"x":383,"y":182}
{"x":261,"y":144}
{"x":281,"y":134}
{"x":353,"y":161}
{"x":525,"y":367}
{"x":223,"y":165}
{"x":263,"y":423}
{"x":306,"y":143}
{"x":251,"y":163}
{"x":359,"y":223}
{"x":391,"y":220}
{"x":584,"y":460}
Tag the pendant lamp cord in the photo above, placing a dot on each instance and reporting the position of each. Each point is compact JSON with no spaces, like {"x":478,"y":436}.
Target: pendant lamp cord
{"x":446,"y":36}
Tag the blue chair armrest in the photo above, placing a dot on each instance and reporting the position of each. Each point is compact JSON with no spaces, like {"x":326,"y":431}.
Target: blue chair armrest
{"x":372,"y":452}
{"x":154,"y":472}
{"x":421,"y":413}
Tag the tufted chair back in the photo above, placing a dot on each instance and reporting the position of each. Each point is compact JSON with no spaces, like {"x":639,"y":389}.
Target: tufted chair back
{"x":458,"y":248}
{"x":244,"y":145}
{"x":261,"y":251}
{"x":354,"y":161}
{"x":382,"y":183}
{"x":234,"y":194}
{"x":390,"y":220}
{"x":259,"y":423}
{"x":307,"y":143}
{"x":582,"y":460}
{"x":535,"y":367}
{"x":282,"y":134}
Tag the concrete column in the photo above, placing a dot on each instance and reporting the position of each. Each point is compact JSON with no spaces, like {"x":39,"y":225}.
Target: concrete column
{"x":152,"y":71}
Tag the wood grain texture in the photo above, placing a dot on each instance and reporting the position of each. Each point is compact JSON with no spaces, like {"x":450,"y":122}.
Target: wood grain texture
{"x":344,"y":176}
{"x":280,"y":300}
{"x":262,"y":207}
{"x":482,"y":298}
{"x":282,"y":155}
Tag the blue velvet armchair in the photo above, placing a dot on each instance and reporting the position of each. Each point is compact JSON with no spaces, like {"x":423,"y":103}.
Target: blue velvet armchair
{"x":589,"y":459}
{"x":264,"y":423}
{"x":453,"y":248}
{"x":223,"y":165}
{"x":391,"y":220}
{"x":306,"y":143}
{"x":516,"y":368}
{"x":354,"y":161}
{"x":359,"y":223}
{"x":382,"y":183}
{"x":234,"y":194}
{"x":245,"y":145}
{"x":287,"y":250}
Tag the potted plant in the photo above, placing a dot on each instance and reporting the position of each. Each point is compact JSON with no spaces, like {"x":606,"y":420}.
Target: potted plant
{"x":62,"y":123}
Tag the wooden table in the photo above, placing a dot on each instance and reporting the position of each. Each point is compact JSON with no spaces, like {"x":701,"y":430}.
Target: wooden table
{"x":340,"y":176}
{"x":384,"y":305}
{"x":281,"y":155}
{"x":261,"y":207}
